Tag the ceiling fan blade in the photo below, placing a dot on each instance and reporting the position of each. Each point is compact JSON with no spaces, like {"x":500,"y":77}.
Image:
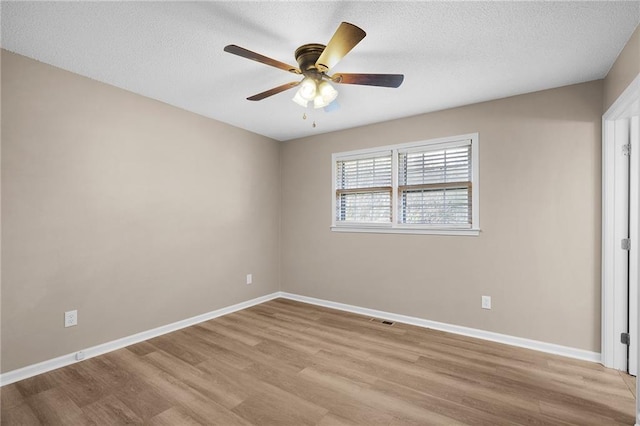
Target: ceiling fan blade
{"x":274,"y":91}
{"x":382,"y":80}
{"x":241,"y":51}
{"x":344,"y":39}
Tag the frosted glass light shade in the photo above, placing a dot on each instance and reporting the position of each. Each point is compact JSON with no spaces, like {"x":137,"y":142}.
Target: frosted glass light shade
{"x":319,"y":102}
{"x":326,"y":95}
{"x":308,"y":89}
{"x":300,"y":100}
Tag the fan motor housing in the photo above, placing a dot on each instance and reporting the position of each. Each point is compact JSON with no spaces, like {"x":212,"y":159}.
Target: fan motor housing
{"x":307,"y":55}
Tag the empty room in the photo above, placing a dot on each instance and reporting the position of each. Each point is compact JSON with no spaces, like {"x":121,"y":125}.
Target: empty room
{"x":319,"y":213}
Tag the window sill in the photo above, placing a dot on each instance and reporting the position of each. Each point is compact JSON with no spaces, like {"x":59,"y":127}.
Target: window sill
{"x":421,"y":231}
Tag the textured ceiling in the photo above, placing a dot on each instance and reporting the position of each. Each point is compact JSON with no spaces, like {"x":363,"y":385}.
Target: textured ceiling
{"x":452,"y":53}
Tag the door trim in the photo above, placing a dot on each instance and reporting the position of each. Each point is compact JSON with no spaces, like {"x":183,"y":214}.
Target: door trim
{"x":626,"y":105}
{"x":634,"y":235}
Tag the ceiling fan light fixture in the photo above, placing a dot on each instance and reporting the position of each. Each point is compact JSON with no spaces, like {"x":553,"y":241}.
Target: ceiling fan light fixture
{"x":308,"y":89}
{"x":300,"y":100}
{"x":319,"y":102}
{"x":328,"y":93}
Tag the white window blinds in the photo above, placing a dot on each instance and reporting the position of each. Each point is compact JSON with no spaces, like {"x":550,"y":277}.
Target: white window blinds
{"x":364,"y":189}
{"x":434,"y":185}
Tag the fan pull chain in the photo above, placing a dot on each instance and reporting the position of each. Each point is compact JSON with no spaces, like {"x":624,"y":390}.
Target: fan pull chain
{"x":304,"y":117}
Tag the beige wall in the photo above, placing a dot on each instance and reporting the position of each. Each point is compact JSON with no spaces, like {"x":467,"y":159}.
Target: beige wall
{"x":538,"y":255}
{"x":134,"y":212}
{"x":624,"y":70}
{"x":122,"y":207}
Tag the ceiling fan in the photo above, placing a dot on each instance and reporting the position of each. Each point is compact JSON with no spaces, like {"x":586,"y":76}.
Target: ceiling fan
{"x":314,"y":61}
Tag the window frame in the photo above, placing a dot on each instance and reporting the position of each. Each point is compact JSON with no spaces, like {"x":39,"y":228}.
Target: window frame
{"x":400,"y":228}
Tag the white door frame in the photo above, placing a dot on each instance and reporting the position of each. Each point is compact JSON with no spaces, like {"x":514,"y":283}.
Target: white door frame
{"x":614,"y":299}
{"x":634,"y":235}
{"x":627,"y":105}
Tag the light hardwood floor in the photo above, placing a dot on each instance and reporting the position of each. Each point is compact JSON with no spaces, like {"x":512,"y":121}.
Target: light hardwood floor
{"x":289,"y":363}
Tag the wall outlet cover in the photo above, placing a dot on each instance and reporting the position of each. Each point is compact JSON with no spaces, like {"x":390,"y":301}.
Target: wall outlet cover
{"x":71,"y":318}
{"x":486,"y":302}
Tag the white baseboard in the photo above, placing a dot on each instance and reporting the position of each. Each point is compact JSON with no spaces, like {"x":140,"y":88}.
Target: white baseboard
{"x":64,"y":360}
{"x":456,"y":329}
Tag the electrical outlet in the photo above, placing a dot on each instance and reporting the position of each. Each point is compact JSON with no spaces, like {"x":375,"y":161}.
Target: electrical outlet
{"x":71,"y":318}
{"x":249,"y":278}
{"x":486,"y":302}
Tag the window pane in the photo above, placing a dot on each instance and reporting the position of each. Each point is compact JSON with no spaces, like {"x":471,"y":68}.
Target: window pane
{"x":435,"y":207}
{"x":431,"y":172}
{"x":364,"y":207}
{"x":364,"y":172}
{"x":438,"y":166}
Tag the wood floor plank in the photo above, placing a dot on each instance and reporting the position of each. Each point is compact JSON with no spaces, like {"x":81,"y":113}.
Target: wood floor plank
{"x":435,"y":388}
{"x":104,"y":372}
{"x":142,"y":348}
{"x":110,"y":411}
{"x":333,"y":420}
{"x":80,"y":385}
{"x":171,"y":388}
{"x":210,"y":413}
{"x":55,"y":407}
{"x":10,"y":396}
{"x":143,"y":400}
{"x":346,"y":406}
{"x":263,"y":388}
{"x":172,"y":344}
{"x":218,"y":352}
{"x":248,"y":352}
{"x":448,"y":412}
{"x":20,"y":414}
{"x":172,"y":417}
{"x":558,"y":412}
{"x":398,"y":407}
{"x":219,"y":328}
{"x":37,"y":384}
{"x":268,"y":409}
{"x":289,"y":363}
{"x":630,"y":381}
{"x":224,"y":393}
{"x":280,"y":336}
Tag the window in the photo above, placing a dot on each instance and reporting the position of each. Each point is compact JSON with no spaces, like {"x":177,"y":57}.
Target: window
{"x":364,"y":189}
{"x":421,"y":187}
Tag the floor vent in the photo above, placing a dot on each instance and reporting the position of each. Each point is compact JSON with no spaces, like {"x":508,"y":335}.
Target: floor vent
{"x":381,"y":321}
